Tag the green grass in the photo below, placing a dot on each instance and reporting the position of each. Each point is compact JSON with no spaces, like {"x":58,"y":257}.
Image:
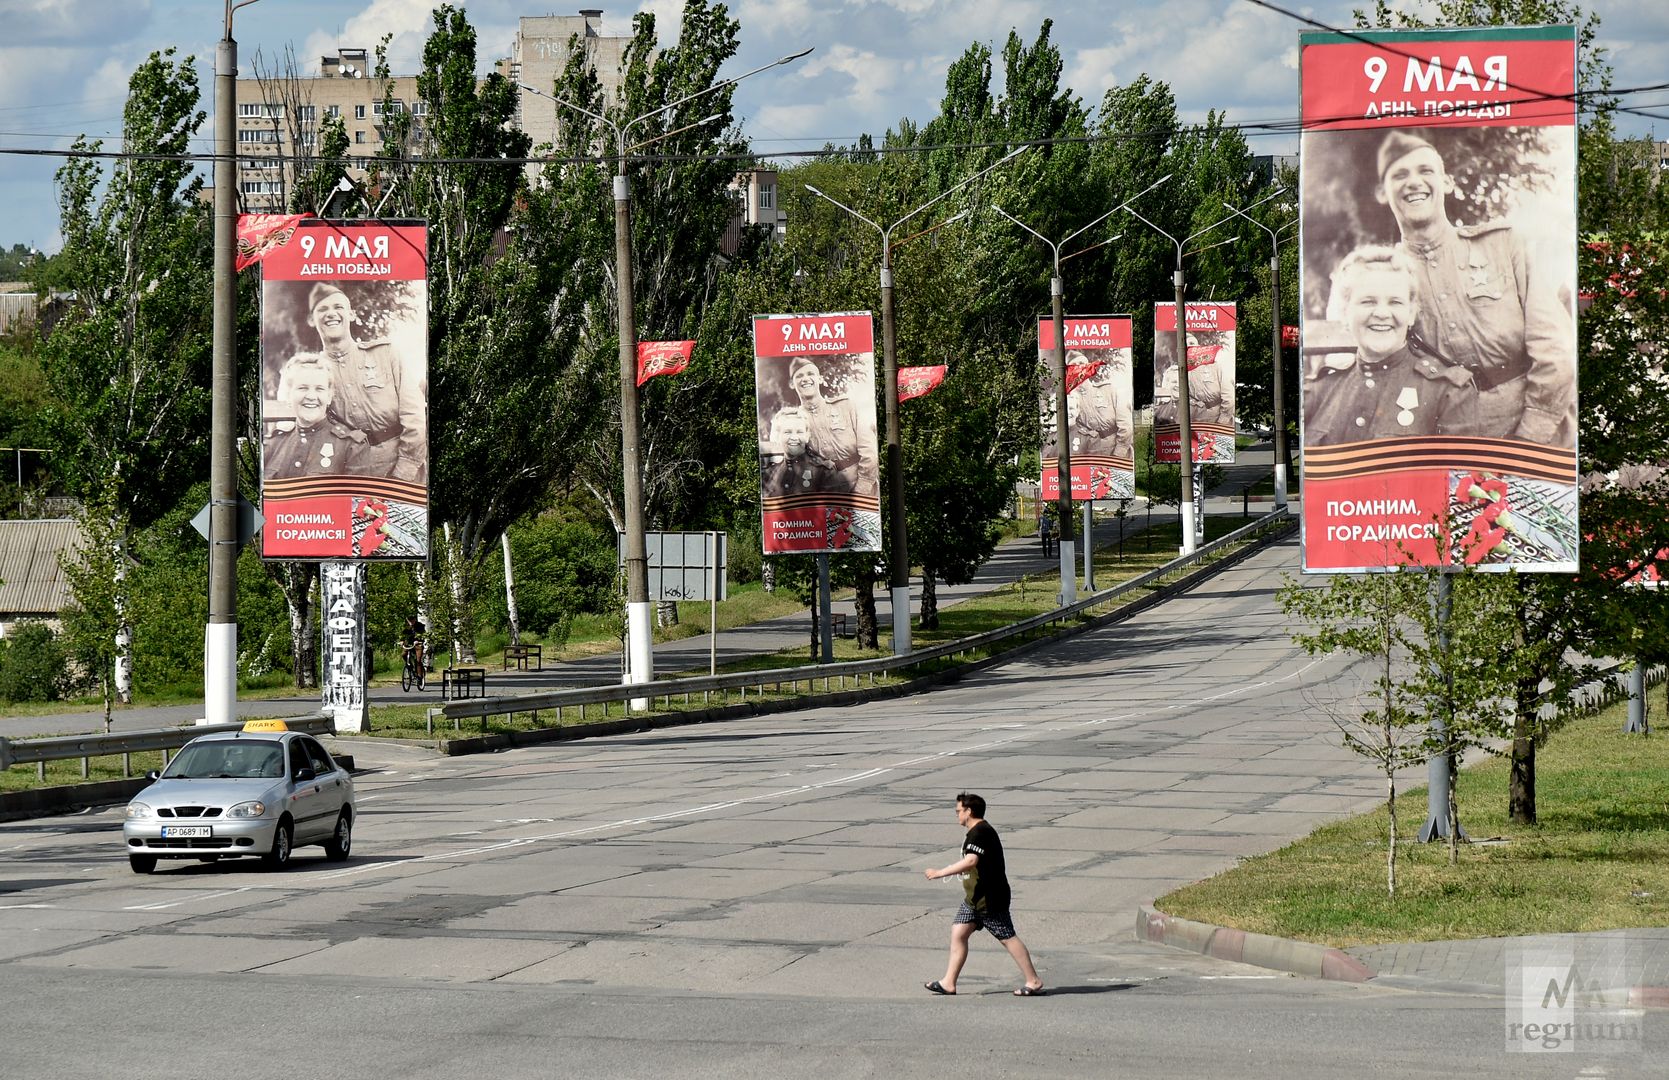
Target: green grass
{"x":61,"y":773}
{"x":1598,"y":859}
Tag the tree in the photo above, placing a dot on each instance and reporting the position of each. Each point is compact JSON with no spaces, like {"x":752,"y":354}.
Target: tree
{"x":1368,"y":617}
{"x":95,"y":622}
{"x":129,"y":360}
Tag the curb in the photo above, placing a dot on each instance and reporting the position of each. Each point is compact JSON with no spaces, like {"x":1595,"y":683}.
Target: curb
{"x":1260,"y":950}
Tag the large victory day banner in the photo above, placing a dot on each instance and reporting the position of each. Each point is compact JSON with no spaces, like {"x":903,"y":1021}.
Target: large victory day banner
{"x":819,"y":471}
{"x":344,"y":392}
{"x":1438,"y":256}
{"x":1209,"y":340}
{"x":1099,"y":417}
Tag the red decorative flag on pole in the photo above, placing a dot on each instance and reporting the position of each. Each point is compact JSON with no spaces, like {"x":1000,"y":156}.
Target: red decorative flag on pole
{"x":1078,"y":374}
{"x":1289,"y":336}
{"x":913,"y":382}
{"x":662,"y":358}
{"x":261,"y":234}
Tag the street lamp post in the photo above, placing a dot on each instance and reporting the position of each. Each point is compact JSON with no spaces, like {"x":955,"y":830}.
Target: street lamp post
{"x":899,"y":562}
{"x":1275,"y":343}
{"x":640,"y":656}
{"x":220,"y":637}
{"x":1185,"y":434}
{"x":1063,"y":461}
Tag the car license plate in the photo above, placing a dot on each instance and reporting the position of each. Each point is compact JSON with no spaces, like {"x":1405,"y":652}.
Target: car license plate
{"x":187,"y":830}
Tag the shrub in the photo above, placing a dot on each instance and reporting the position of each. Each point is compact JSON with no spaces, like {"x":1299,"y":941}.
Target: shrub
{"x":33,"y":665}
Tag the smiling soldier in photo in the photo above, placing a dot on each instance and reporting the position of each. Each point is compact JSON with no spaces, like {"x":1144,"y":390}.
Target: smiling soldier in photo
{"x":1386,"y":390}
{"x":311,"y":444}
{"x":374,"y":392}
{"x":1488,"y":305}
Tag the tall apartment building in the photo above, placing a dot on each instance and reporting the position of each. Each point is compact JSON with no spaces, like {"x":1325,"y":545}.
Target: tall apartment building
{"x":279,"y":118}
{"x":538,"y":54}
{"x":757,"y":203}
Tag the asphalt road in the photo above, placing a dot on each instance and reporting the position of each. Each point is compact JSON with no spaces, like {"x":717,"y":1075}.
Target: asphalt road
{"x":746,"y":899}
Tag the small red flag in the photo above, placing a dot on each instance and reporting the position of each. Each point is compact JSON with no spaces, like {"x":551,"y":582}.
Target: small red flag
{"x":261,"y":234}
{"x":1079,"y":374}
{"x":913,"y":382}
{"x":662,"y":358}
{"x":1289,"y":336}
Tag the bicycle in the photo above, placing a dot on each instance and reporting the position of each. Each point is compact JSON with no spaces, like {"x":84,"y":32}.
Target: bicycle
{"x":411,"y":666}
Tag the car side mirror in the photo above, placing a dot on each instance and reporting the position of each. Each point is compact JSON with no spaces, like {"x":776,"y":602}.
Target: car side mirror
{"x":304,"y":774}
{"x":153,"y":775}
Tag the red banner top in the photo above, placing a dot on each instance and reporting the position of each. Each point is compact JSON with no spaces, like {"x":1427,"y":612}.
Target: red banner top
{"x":662,"y":358}
{"x":1087,"y":332}
{"x":813,"y":335}
{"x":1496,"y":77}
{"x":351,"y":251}
{"x":1200,"y":317}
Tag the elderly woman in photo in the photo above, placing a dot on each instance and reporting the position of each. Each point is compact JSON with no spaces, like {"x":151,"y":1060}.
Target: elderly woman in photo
{"x":837,"y":432}
{"x":1385,"y":389}
{"x":311,"y":444}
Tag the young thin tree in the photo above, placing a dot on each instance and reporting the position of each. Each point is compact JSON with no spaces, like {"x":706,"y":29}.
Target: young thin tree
{"x":95,"y":620}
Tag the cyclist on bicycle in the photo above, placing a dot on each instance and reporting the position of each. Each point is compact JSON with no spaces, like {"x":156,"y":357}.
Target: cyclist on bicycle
{"x":411,"y":644}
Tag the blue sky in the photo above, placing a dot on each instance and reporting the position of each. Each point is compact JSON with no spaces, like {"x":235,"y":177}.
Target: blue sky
{"x":64,"y":64}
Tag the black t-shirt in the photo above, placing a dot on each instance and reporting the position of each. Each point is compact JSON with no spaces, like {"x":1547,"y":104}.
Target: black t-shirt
{"x":986,"y":885}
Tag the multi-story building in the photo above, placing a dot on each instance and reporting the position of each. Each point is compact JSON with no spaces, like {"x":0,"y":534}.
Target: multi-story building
{"x":757,"y":204}
{"x":538,"y":54}
{"x":279,"y":118}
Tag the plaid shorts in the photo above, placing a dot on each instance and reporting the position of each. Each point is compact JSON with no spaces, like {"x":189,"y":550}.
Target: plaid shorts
{"x":999,"y":923}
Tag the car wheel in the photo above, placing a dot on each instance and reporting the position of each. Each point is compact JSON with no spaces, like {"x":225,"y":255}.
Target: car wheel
{"x":279,"y":856}
{"x":341,"y":841}
{"x":142,"y":864}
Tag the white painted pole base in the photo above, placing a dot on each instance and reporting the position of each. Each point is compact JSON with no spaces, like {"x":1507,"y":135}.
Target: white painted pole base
{"x":1069,"y":573}
{"x":901,"y":620}
{"x":1189,"y":542}
{"x":1280,"y":485}
{"x":640,"y":644}
{"x":220,"y":673}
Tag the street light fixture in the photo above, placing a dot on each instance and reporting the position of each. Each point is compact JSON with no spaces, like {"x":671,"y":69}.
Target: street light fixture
{"x":1185,"y":436}
{"x":220,"y":637}
{"x":1275,"y":341}
{"x":640,"y":656}
{"x":1063,"y":464}
{"x":899,"y":562}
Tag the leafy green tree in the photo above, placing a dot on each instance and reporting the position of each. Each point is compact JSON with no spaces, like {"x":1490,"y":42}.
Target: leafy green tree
{"x":128,"y":362}
{"x":95,"y":621}
{"x":33,"y":664}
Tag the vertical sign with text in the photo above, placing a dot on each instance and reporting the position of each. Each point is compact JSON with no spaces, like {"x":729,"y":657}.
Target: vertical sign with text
{"x":1209,"y":335}
{"x":1100,"y":418}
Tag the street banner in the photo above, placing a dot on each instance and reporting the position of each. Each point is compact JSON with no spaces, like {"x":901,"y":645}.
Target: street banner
{"x":1099,"y":403}
{"x":819,"y":471}
{"x":915,"y":382}
{"x":662,"y":358}
{"x":1210,"y":335}
{"x":1438,"y":335}
{"x":261,"y":234}
{"x":344,"y":392}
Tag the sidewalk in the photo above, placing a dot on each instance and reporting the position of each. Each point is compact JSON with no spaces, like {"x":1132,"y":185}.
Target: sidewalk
{"x":1619,"y":967}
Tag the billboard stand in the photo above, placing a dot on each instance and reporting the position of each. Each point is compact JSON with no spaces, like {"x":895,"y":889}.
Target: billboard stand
{"x":345,"y":649}
{"x":1637,"y":701}
{"x":1089,"y":547}
{"x":1199,"y":502}
{"x":824,"y":602}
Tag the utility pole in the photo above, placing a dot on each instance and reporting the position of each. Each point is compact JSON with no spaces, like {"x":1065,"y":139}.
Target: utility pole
{"x":220,"y":636}
{"x":898,"y":558}
{"x":1276,"y":358}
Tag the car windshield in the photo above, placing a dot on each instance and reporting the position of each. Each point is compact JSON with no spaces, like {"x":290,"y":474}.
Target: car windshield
{"x":225,"y":758}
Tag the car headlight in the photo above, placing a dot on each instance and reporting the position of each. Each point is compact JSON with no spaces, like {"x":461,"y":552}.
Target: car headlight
{"x":138,"y":810}
{"x":248,"y":810}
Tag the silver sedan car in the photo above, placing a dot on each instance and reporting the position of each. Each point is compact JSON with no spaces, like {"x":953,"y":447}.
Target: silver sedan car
{"x":263,"y":791}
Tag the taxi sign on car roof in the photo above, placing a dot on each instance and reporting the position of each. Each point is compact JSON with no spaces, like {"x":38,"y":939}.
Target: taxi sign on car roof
{"x":266,"y":725}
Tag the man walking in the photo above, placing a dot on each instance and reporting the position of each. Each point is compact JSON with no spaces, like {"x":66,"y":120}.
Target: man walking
{"x":986,"y":899}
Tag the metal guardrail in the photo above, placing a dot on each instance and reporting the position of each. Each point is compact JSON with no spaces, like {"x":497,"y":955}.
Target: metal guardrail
{"x":742,"y":682}
{"x":69,"y":747}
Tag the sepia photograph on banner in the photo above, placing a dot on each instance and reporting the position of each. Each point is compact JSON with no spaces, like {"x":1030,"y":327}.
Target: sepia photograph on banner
{"x":344,"y":392}
{"x":1209,"y":337}
{"x":1438,"y":271}
{"x":819,"y":469}
{"x":1100,"y":415}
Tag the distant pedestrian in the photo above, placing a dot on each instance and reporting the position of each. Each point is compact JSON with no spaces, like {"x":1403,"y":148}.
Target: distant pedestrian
{"x":1046,"y":533}
{"x":986,"y":898}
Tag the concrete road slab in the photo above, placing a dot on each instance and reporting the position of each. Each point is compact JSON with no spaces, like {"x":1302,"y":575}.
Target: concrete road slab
{"x":660,"y":964}
{"x":790,"y":923}
{"x":564,"y":914}
{"x":35,"y":941}
{"x":1123,"y":817}
{"x":805,"y":857}
{"x":171,"y":952}
{"x":704,"y":883}
{"x":446,"y":959}
{"x":1088,"y":841}
{"x":750,"y":831}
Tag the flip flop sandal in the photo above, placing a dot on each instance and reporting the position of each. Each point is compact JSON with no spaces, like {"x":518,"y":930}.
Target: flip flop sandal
{"x":1029,"y":991}
{"x":934,"y":988}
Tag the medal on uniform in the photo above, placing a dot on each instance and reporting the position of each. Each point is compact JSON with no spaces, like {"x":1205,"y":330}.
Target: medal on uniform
{"x":1409,"y":400}
{"x":326,"y":450}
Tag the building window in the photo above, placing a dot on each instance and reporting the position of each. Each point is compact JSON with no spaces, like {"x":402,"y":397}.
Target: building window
{"x":333,"y":110}
{"x":249,"y":108}
{"x":309,"y":138}
{"x":359,"y":112}
{"x":307,"y":113}
{"x":260,"y":135}
{"x":767,"y":196}
{"x":262,"y":187}
{"x":393,"y":108}
{"x":359,"y":137}
{"x":420,"y":108}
